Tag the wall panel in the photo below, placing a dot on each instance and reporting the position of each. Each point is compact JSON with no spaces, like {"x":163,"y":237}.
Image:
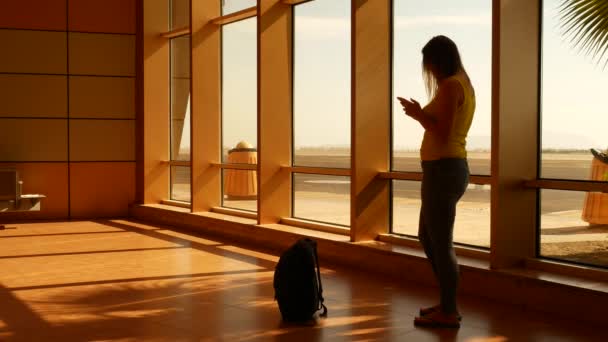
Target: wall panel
{"x":33,"y":140}
{"x":33,"y":96}
{"x":109,"y":16}
{"x":39,"y":52}
{"x":101,"y":189}
{"x":102,"y":140}
{"x":179,"y":13}
{"x":33,"y":14}
{"x":102,"y":54}
{"x":102,"y":97}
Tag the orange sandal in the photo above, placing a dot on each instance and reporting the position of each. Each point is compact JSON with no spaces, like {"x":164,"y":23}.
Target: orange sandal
{"x":438,"y":319}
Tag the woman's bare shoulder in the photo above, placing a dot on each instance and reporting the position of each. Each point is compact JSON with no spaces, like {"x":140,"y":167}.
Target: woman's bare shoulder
{"x":452,"y":86}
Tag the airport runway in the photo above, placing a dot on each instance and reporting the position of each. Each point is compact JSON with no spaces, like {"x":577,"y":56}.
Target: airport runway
{"x":575,"y":167}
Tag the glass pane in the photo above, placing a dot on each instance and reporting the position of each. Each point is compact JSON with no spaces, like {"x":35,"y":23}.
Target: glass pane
{"x":180,"y":183}
{"x":180,"y":98}
{"x":180,"y":14}
{"x":321,"y":85}
{"x":574,"y":226}
{"x":573,"y":103}
{"x":472,"y":225}
{"x":322,"y":198}
{"x":239,"y":85}
{"x":231,"y":6}
{"x":240,"y":189}
{"x":469,"y":24}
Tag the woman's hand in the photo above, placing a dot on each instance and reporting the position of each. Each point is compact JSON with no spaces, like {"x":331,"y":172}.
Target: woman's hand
{"x":411,"y":107}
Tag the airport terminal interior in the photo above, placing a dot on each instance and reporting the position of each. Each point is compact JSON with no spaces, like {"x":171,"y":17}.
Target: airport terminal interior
{"x":158,"y":156}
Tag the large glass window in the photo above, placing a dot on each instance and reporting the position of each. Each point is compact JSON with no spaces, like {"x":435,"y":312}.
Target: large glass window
{"x":322,"y":84}
{"x":180,"y":183}
{"x":180,"y":98}
{"x":239,"y":110}
{"x":180,"y":102}
{"x":239,"y":85}
{"x":472,"y":213}
{"x":573,"y":224}
{"x":573,"y":103}
{"x":322,"y":198}
{"x":179,"y":14}
{"x":469,"y":25}
{"x":322,"y":109}
{"x":231,"y":6}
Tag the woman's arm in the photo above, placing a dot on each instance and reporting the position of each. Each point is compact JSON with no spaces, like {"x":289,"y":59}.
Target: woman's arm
{"x":438,"y":115}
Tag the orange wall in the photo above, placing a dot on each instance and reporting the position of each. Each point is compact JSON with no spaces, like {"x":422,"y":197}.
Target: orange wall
{"x":67,"y":104}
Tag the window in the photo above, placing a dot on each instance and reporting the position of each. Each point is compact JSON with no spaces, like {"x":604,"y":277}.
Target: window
{"x":573,"y":224}
{"x":180,"y":183}
{"x":472,"y":213}
{"x":231,"y":6}
{"x":322,"y":198}
{"x":239,"y":85}
{"x":573,"y":117}
{"x":469,"y":25}
{"x":321,"y":109}
{"x":180,"y":104}
{"x":179,"y":14}
{"x":321,"y":85}
{"x":239,"y":111}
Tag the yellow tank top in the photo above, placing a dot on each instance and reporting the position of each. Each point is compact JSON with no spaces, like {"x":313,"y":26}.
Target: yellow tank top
{"x":433,"y":148}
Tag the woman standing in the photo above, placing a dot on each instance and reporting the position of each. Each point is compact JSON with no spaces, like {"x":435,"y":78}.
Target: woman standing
{"x":446,"y":121}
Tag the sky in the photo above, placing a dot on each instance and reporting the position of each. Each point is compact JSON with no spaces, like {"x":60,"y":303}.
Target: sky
{"x":573,"y":96}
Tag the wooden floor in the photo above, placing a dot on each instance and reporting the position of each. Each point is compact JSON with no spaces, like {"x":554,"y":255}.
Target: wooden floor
{"x":117,"y":280}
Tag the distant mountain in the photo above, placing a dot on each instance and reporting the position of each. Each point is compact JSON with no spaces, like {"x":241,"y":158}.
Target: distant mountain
{"x":479,"y":142}
{"x":550,"y":140}
{"x":565,"y":140}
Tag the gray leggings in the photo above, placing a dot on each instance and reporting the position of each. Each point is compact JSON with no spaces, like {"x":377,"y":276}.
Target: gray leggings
{"x":443,"y":183}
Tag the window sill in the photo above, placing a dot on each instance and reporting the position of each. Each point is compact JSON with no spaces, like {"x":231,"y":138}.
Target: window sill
{"x":180,"y":204}
{"x":463,"y":251}
{"x":235,"y":212}
{"x":567,"y":273}
{"x":318,"y":226}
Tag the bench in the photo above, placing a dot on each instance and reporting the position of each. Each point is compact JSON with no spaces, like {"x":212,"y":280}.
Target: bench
{"x":11,"y":196}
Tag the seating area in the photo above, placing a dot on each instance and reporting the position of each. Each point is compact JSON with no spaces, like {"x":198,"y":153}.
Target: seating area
{"x":12,"y":197}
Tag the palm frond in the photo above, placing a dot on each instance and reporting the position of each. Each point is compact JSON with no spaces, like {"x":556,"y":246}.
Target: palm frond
{"x":585,"y":23}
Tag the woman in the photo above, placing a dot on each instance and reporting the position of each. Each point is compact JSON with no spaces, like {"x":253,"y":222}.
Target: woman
{"x":446,"y":121}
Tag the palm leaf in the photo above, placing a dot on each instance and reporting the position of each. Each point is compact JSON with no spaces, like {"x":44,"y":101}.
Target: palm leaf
{"x":585,"y":23}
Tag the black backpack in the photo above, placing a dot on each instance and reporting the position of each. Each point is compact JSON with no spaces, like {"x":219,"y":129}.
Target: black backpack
{"x":297,"y":282}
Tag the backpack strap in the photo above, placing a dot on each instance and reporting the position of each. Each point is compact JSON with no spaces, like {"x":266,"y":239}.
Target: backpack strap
{"x":321,"y":299}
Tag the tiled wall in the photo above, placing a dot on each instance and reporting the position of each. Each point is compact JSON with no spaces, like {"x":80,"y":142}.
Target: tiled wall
{"x":67,"y":103}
